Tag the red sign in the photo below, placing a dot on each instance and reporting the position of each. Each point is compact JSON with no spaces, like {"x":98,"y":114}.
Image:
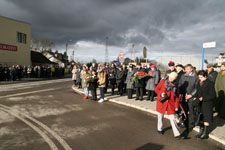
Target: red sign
{"x":121,"y":55}
{"x":8,"y":47}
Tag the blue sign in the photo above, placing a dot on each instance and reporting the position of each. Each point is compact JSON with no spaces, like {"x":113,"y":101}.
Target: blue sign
{"x":122,"y":60}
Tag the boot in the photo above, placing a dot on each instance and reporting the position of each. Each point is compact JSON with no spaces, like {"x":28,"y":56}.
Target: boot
{"x":205,"y":134}
{"x":148,"y":97}
{"x":200,"y":131}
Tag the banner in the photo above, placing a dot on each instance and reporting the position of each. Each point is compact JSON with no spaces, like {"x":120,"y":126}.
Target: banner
{"x":8,"y":47}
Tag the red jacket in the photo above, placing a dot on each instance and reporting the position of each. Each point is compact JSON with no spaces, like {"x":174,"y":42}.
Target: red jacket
{"x":169,"y":105}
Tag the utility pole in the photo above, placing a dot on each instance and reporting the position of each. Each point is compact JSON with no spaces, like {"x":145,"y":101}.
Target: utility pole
{"x":106,"y":50}
{"x":133,"y":53}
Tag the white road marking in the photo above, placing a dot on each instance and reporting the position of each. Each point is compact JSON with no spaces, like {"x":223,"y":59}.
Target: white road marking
{"x":41,"y":133}
{"x":53,"y":133}
{"x":17,"y":86}
{"x":25,"y":93}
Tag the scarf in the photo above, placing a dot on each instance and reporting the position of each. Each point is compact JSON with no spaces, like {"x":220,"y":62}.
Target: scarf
{"x":151,"y":73}
{"x":201,"y":83}
{"x":223,"y":72}
{"x":170,"y":86}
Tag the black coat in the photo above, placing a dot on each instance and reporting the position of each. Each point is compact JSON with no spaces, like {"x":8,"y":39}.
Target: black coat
{"x":140,"y":83}
{"x":112,"y":76}
{"x":179,"y":76}
{"x":93,"y":85}
{"x":120,"y":76}
{"x":207,"y":92}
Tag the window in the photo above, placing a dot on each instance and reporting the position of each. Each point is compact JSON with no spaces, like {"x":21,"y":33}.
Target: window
{"x":21,"y":37}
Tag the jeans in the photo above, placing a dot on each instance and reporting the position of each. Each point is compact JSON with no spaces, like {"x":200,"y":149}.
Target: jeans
{"x":86,"y":91}
{"x":101,"y":92}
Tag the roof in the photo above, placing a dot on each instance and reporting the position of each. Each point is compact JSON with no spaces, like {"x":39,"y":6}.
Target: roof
{"x":37,"y":57}
{"x":15,"y":20}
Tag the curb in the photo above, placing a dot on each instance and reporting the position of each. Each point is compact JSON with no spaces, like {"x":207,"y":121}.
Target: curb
{"x":152,"y":112}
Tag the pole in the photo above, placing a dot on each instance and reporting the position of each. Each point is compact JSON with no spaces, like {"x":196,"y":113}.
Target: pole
{"x":73,"y":56}
{"x":203,"y":57}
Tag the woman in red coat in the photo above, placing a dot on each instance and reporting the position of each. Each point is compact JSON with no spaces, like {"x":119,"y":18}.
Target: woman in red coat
{"x":167,"y":101}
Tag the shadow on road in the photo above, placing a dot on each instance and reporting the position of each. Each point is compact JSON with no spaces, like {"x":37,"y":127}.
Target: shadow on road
{"x":150,"y":146}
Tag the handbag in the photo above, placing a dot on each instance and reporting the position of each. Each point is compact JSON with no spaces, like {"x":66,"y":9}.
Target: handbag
{"x":164,"y":98}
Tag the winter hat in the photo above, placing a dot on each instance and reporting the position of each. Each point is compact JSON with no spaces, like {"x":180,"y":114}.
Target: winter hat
{"x":152,"y":66}
{"x":171,"y":63}
{"x":179,"y":65}
{"x":173,"y":75}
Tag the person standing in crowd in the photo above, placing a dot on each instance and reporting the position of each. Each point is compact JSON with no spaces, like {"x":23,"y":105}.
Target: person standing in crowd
{"x":112,"y":77}
{"x":101,"y":83}
{"x":220,"y":92}
{"x":29,"y":72}
{"x":180,"y":71}
{"x":78,"y":77}
{"x":171,"y":65}
{"x":74,"y":76}
{"x":93,"y":85}
{"x":14,"y":73}
{"x":19,"y":72}
{"x":152,"y":82}
{"x":125,"y":76}
{"x":167,"y":101}
{"x":85,"y":83}
{"x":139,"y":84}
{"x":24,"y":71}
{"x":120,"y":80}
{"x":129,"y":82}
{"x":6,"y":73}
{"x":188,"y":88}
{"x":1,"y":73}
{"x":106,"y":70}
{"x":211,"y":73}
{"x":205,"y":94}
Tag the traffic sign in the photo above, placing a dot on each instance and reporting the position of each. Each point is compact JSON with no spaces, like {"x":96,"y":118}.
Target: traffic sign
{"x":206,"y":45}
{"x":121,"y":59}
{"x":121,"y":55}
{"x":209,"y":45}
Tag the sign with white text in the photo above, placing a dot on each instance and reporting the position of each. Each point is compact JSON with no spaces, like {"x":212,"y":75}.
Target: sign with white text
{"x":209,"y":45}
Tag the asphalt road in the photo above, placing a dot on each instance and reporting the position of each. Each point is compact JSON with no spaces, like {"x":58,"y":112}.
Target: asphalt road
{"x":47,"y":115}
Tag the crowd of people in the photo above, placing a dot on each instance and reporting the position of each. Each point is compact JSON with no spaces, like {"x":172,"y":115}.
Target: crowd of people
{"x":17,"y":72}
{"x":182,"y":90}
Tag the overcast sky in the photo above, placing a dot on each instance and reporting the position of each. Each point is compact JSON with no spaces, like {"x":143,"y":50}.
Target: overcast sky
{"x":165,"y":27}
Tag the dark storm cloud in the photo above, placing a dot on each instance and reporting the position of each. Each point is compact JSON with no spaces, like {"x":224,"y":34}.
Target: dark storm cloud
{"x":147,"y":22}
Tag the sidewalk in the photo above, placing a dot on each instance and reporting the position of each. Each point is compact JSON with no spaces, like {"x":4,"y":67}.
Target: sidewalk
{"x":218,"y":133}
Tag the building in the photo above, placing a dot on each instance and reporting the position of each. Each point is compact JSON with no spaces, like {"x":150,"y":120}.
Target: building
{"x":220,"y":59}
{"x":14,"y":42}
{"x":38,"y":59}
{"x":162,"y":61}
{"x":56,"y":57}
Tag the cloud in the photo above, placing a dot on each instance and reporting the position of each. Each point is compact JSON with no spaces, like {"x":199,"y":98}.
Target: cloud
{"x":175,"y":26}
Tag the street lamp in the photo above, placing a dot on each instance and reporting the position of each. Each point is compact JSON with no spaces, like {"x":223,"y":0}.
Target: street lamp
{"x":67,"y":45}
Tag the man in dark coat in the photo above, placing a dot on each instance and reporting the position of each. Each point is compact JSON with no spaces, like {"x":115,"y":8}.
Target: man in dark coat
{"x":139,"y":85}
{"x":172,"y":68}
{"x":125,"y":76}
{"x":180,"y":71}
{"x":120,"y":80}
{"x":211,"y":73}
{"x":112,"y":77}
{"x":188,"y":88}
